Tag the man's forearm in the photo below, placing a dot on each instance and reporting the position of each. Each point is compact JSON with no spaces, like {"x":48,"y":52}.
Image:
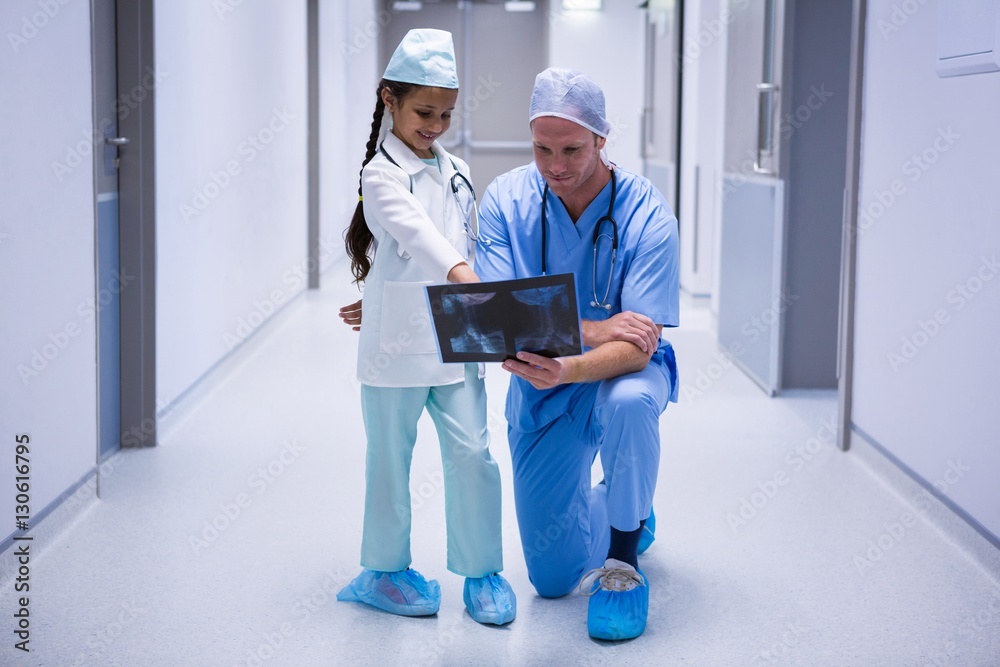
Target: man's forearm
{"x":607,"y":361}
{"x":620,"y":345}
{"x":626,"y":327}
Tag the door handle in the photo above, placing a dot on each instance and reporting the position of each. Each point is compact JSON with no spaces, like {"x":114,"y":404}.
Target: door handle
{"x":117,"y":141}
{"x":697,"y":215}
{"x":646,"y":133}
{"x":765,"y":131}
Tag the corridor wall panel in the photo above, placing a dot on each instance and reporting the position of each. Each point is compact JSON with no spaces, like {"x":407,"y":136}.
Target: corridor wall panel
{"x":926,"y":357}
{"x":231,"y":133}
{"x":48,"y":371}
{"x":348,"y":51}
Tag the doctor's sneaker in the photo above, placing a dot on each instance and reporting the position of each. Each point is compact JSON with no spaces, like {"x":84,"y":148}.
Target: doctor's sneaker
{"x":490,"y":599}
{"x":406,"y":592}
{"x":648,"y":532}
{"x":619,"y":601}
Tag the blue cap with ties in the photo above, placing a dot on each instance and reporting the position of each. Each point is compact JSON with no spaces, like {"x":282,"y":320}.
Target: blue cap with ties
{"x":425,"y":57}
{"x":572,"y":95}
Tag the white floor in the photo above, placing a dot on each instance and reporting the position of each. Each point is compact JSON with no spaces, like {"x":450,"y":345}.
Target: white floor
{"x":823,"y":567}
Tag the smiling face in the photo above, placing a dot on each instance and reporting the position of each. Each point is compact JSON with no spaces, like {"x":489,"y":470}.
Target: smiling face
{"x":568,"y":155}
{"x":421,"y":117}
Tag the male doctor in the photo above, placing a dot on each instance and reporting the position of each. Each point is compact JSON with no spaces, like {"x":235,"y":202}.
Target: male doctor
{"x":572,"y":211}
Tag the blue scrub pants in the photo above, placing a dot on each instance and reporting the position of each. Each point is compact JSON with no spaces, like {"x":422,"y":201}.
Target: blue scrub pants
{"x":471,"y":476}
{"x":564,"y":523}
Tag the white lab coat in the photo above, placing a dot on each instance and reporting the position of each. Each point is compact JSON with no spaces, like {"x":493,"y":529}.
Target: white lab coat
{"x":419,"y":238}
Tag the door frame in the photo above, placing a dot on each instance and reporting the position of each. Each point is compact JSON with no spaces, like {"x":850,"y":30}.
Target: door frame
{"x":313,"y":103}
{"x":654,"y":62}
{"x":845,"y":344}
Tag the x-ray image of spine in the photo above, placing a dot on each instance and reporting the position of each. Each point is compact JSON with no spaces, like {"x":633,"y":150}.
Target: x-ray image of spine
{"x":474,"y":332}
{"x":540,"y":309}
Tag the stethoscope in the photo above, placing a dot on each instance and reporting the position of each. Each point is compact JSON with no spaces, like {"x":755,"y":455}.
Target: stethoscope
{"x":458,"y":183}
{"x":603,"y":302}
{"x":468,"y":208}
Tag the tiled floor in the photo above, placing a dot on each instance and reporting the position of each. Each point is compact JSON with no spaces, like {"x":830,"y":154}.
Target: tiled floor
{"x":226,"y":544}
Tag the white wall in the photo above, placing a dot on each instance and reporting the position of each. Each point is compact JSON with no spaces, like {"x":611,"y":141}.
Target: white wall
{"x":934,"y":404}
{"x":703,"y":119}
{"x":48,"y":371}
{"x":231,"y":177}
{"x":348,"y":79}
{"x":592,"y":43}
{"x":230,"y":258}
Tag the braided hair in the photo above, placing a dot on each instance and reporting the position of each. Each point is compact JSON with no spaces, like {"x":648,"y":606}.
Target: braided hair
{"x":358,"y":238}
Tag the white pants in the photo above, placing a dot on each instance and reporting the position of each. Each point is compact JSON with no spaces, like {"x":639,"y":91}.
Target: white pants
{"x":471,"y":476}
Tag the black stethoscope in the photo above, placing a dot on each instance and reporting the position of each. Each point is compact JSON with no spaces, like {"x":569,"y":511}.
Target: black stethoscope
{"x":458,"y":182}
{"x":603,"y":302}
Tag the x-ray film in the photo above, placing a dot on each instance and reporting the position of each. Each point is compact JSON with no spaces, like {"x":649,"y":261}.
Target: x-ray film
{"x":494,"y":321}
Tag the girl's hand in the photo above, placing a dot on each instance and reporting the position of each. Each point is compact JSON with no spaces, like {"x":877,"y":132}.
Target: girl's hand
{"x":352,"y":315}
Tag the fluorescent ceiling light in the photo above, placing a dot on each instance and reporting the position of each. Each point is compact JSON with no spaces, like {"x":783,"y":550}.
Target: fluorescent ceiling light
{"x":519,"y":6}
{"x":407,"y":6}
{"x":579,"y":5}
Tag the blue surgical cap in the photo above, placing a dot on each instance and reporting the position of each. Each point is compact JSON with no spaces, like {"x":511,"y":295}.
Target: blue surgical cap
{"x":572,"y":95}
{"x":425,"y":57}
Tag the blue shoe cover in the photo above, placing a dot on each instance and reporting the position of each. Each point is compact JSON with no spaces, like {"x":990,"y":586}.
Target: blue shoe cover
{"x":406,"y":592}
{"x":490,"y":600}
{"x":614,"y":612}
{"x":648,"y":532}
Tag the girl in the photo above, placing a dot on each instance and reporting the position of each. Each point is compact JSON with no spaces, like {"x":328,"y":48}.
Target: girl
{"x":416,"y":213}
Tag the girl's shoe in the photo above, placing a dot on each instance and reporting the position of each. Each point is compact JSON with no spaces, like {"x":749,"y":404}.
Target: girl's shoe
{"x":490,"y":600}
{"x":406,"y":592}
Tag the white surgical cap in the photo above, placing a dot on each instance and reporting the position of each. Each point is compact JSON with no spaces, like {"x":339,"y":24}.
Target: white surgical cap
{"x":425,"y":57}
{"x":572,"y":95}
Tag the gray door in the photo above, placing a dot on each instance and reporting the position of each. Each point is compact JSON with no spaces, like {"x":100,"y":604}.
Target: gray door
{"x":499,"y":53}
{"x":125,"y":81}
{"x":751,"y":302}
{"x":110,"y":281}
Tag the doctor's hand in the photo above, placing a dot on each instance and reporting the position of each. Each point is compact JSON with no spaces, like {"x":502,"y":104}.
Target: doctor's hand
{"x":542,"y":372}
{"x":626,"y":326}
{"x":352,"y":315}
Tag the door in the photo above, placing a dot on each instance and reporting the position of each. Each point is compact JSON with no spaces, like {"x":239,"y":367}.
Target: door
{"x":499,"y":52}
{"x":125,"y":80}
{"x":110,"y":281}
{"x":750,"y":298}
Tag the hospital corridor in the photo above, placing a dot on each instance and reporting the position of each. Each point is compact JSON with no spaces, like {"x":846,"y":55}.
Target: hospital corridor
{"x":190,"y":426}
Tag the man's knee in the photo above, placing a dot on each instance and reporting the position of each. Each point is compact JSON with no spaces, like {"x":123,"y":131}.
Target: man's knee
{"x":551,"y":582}
{"x":553,"y":567}
{"x":632,"y":398}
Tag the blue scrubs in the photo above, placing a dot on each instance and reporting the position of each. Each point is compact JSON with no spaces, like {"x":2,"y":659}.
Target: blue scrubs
{"x":555,"y":434}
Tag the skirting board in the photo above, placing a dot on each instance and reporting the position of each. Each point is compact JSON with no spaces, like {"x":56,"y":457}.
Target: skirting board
{"x":974,"y":540}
